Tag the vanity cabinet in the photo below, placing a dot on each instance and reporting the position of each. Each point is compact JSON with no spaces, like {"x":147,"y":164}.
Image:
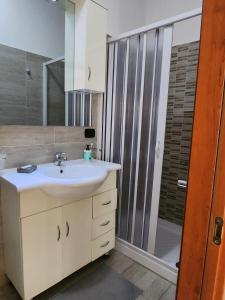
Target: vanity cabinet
{"x":40,"y":251}
{"x":76,"y":236}
{"x":85,"y":47}
{"x":46,"y":239}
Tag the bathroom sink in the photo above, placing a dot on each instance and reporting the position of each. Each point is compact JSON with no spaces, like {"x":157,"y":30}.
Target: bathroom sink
{"x":72,"y":172}
{"x":76,"y":179}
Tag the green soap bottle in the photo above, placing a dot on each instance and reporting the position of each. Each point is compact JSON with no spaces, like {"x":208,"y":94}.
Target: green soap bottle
{"x":87,"y":153}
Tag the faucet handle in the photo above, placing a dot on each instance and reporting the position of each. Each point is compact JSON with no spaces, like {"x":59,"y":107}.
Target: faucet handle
{"x":57,"y":156}
{"x":60,"y":156}
{"x":64,"y":156}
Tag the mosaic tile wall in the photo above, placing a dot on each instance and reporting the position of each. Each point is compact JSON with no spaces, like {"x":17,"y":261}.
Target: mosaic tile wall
{"x":180,"y":112}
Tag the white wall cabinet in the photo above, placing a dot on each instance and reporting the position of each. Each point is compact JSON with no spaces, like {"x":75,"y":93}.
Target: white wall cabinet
{"x":52,"y":238}
{"x":85,"y":46}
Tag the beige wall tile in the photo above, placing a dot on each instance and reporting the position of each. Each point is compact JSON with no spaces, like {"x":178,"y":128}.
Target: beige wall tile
{"x":26,"y":135}
{"x":68,"y":134}
{"x":17,"y":156}
{"x":73,"y":150}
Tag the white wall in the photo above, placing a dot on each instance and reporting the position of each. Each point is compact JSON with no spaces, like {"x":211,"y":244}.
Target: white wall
{"x":38,"y":26}
{"x":130,"y":14}
{"x":186,"y":31}
{"x":124,"y":15}
{"x":35,"y":26}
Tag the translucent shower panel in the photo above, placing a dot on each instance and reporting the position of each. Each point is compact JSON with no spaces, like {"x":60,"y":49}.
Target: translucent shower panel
{"x":134,"y":88}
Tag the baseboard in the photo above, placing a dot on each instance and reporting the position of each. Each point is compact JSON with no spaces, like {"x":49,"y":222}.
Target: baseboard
{"x":147,"y":260}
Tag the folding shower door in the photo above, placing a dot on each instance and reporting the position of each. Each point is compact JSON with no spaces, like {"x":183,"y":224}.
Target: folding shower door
{"x":134,"y":113}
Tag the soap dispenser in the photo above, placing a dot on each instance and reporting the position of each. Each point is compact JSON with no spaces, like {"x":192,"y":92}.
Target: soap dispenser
{"x":87,"y":153}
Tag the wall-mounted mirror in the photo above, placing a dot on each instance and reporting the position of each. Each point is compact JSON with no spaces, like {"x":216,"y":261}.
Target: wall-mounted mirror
{"x":32,"y":67}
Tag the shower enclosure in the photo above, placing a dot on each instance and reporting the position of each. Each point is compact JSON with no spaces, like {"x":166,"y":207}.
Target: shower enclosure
{"x":137,"y":113}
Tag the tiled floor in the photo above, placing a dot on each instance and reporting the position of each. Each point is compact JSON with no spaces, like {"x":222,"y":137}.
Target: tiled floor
{"x":153,"y":286}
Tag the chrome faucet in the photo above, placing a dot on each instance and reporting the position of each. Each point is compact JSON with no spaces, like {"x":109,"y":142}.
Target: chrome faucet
{"x":60,"y":157}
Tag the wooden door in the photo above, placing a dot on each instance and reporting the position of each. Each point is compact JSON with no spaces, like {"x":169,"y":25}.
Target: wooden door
{"x":77,"y":223}
{"x":214,"y":278}
{"x":41,"y":246}
{"x":203,"y":163}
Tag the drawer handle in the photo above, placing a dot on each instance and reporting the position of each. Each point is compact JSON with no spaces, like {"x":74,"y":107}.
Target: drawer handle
{"x":59,"y":233}
{"x":105,"y":224}
{"x":105,"y":245}
{"x":67,"y":229}
{"x":106,"y":203}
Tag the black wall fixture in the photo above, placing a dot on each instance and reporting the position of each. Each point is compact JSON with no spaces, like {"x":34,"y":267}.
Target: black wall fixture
{"x":89,"y":133}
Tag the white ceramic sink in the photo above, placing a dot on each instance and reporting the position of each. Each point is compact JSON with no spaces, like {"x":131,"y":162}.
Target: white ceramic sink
{"x":76,"y":178}
{"x":73,"y":171}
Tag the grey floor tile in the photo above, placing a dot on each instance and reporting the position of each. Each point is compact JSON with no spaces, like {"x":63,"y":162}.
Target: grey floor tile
{"x":119,"y":262}
{"x":144,"y":282}
{"x":156,"y":289}
{"x":8,"y":292}
{"x":102,"y":284}
{"x":153,"y":286}
{"x":170,"y":294}
{"x":141,"y":298}
{"x":135,"y":272}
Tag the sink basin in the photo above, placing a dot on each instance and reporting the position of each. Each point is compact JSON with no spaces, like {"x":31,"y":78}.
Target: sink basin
{"x":75,"y":179}
{"x":72,"y":172}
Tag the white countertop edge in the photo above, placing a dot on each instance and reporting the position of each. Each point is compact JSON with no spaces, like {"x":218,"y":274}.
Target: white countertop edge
{"x":23,"y":182}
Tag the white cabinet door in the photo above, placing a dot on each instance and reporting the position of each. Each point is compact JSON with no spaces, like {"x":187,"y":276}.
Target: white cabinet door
{"x":85,"y":47}
{"x":96,"y":47}
{"x":42,"y":251}
{"x":77,"y":220}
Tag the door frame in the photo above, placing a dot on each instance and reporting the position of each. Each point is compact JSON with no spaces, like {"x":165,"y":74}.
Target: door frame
{"x":205,"y":140}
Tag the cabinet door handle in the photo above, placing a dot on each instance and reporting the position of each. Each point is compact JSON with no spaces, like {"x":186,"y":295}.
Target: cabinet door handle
{"x":89,"y":73}
{"x":59,"y":233}
{"x":106,"y":203}
{"x":67,"y":229}
{"x":105,"y":245}
{"x":106,"y":223}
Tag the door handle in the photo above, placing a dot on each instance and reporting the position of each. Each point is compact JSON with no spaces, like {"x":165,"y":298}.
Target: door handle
{"x":106,"y":203}
{"x":59,"y":233}
{"x":67,"y":229}
{"x":218,"y":230}
{"x":89,"y":73}
{"x":105,"y":245}
{"x":105,"y":224}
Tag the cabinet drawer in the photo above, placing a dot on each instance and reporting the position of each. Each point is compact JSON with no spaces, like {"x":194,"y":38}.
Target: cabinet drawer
{"x":103,"y":244}
{"x":104,"y":203}
{"x":103,"y":224}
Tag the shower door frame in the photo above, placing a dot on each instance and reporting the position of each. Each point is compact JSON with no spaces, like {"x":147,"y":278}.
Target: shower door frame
{"x":160,"y":137}
{"x":45,"y":91}
{"x":141,"y":256}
